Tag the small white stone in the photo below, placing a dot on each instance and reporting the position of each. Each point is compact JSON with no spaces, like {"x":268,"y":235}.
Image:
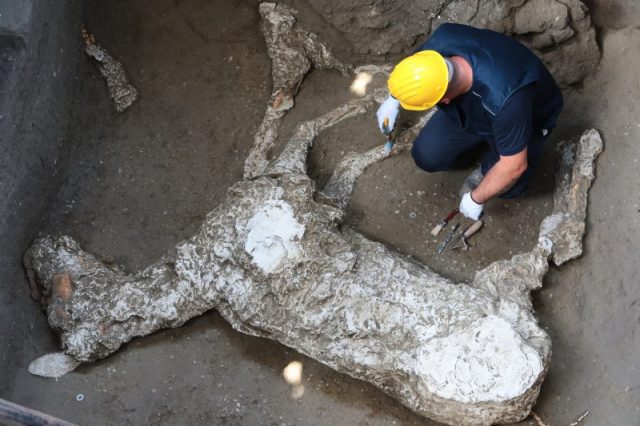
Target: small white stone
{"x":53,"y":365}
{"x":292,"y":373}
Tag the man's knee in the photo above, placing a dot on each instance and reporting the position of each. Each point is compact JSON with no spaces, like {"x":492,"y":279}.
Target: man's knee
{"x":425,"y":160}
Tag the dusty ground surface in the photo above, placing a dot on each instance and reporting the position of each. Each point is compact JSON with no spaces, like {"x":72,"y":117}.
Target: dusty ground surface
{"x":137,"y":183}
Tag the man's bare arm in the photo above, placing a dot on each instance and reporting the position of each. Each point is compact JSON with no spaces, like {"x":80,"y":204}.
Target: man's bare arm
{"x":501,"y":177}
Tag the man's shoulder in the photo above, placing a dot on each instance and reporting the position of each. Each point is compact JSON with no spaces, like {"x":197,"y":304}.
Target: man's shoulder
{"x":451,"y":28}
{"x":451,"y":36}
{"x":450,"y":32}
{"x":447,"y":36}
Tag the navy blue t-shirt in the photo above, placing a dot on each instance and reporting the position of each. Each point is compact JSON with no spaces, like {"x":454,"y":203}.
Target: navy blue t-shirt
{"x":512,"y":91}
{"x":511,"y":127}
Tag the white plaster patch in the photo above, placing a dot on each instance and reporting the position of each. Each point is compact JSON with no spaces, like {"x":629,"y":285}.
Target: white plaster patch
{"x":273,"y":235}
{"x":165,"y":306}
{"x":488,"y":361}
{"x":551,"y":222}
{"x":545,"y":244}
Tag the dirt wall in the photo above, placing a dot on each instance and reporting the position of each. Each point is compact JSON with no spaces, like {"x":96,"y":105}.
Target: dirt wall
{"x":559,"y":31}
{"x":614,"y":14}
{"x":39,"y":50}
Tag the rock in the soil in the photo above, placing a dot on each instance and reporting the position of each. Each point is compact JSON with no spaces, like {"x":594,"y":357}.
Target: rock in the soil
{"x":53,"y":365}
{"x":121,"y":91}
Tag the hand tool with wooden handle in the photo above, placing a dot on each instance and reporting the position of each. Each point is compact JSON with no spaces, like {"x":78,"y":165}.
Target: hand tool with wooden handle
{"x":472,"y":229}
{"x":435,"y":231}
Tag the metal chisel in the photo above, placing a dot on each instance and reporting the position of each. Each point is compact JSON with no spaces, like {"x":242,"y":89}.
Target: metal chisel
{"x":390,"y":141}
{"x":447,"y":240}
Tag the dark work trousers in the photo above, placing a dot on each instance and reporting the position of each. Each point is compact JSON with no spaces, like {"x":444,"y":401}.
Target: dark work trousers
{"x":444,"y":145}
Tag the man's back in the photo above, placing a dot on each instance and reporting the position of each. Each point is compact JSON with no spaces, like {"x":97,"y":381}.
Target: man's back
{"x":501,"y":66}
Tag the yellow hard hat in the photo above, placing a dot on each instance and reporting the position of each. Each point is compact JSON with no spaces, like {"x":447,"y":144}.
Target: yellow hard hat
{"x":419,"y":81}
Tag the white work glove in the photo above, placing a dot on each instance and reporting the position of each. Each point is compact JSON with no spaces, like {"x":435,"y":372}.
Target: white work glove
{"x":470,"y":208}
{"x":389,"y":109}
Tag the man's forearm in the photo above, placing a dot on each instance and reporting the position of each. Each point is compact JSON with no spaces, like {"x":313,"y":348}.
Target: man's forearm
{"x":499,"y":179}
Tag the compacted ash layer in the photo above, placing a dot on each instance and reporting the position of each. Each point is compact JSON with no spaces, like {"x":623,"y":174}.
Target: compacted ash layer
{"x":460,"y":353}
